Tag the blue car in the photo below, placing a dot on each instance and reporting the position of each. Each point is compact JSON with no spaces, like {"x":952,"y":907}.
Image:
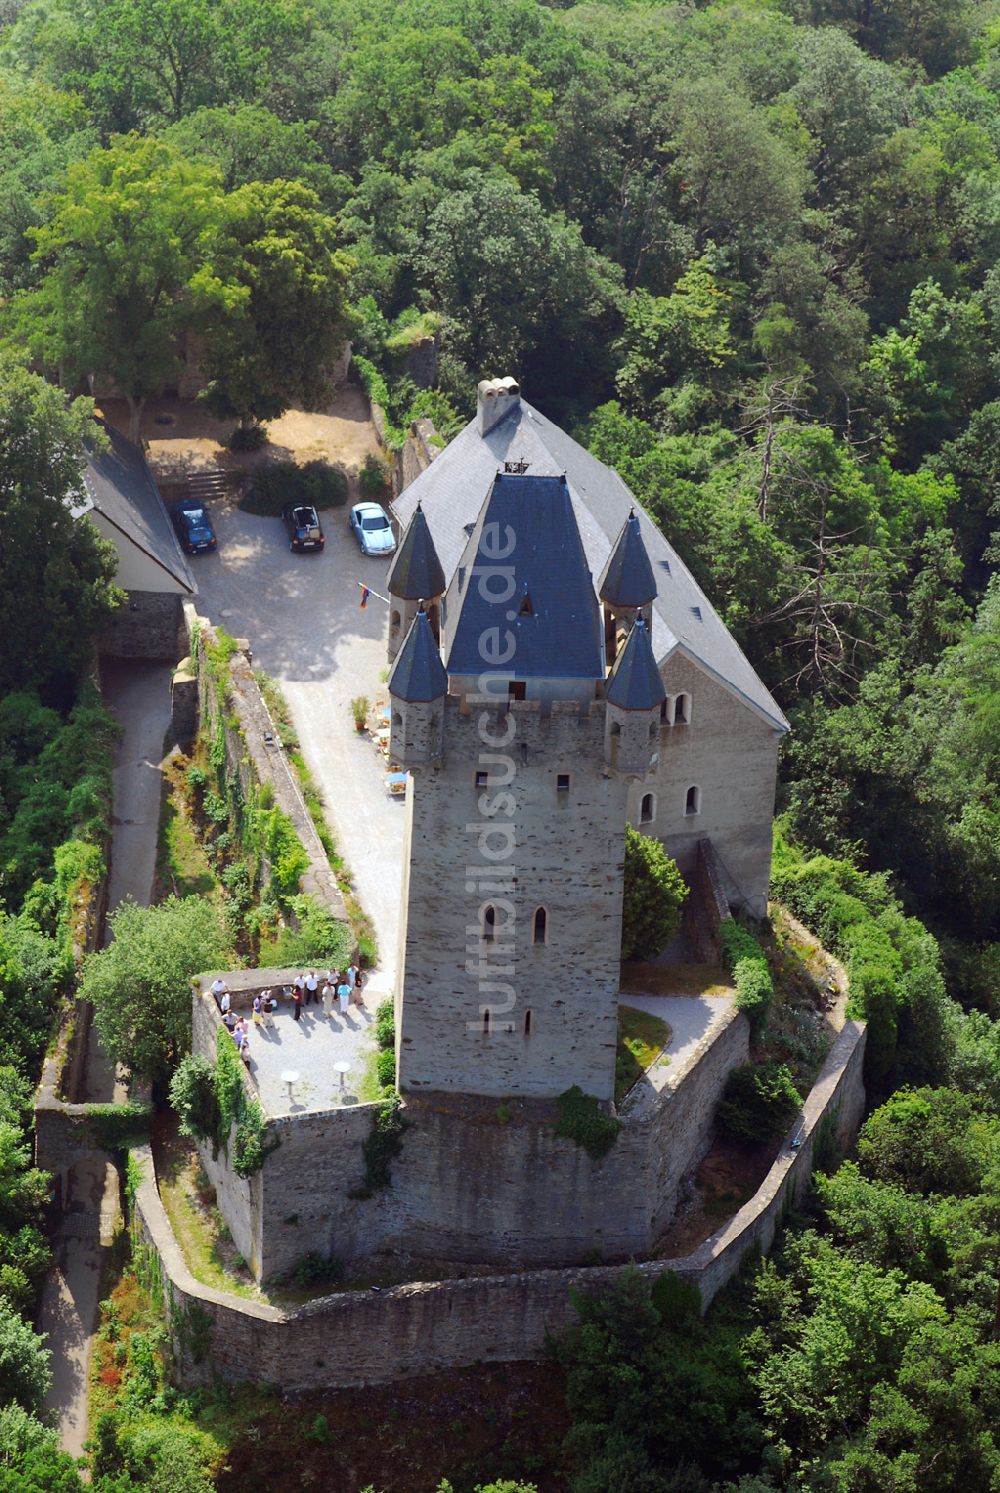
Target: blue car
{"x":194,"y":527}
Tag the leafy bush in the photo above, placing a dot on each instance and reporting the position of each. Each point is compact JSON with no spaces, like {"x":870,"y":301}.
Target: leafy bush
{"x":277,"y":484}
{"x":248,"y":437}
{"x":385,"y":1025}
{"x":318,"y":939}
{"x":115,"y":1127}
{"x":382,"y":1145}
{"x":367,"y":951}
{"x":283,"y":849}
{"x":373,"y":479}
{"x":747,"y":963}
{"x":653,"y":897}
{"x":582,"y":1120}
{"x":385,"y":1067}
{"x":758,"y":1102}
{"x":192,"y":1094}
{"x":315,"y":1267}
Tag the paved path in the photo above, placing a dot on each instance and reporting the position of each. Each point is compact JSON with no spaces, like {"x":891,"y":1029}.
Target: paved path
{"x":139,"y":695}
{"x":690,"y":1018}
{"x":307,"y":630}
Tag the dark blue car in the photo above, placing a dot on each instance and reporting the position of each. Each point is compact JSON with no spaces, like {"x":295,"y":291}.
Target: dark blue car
{"x":194,"y":527}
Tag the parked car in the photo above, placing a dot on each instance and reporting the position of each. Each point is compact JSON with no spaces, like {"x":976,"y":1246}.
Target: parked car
{"x":372,"y":529}
{"x":304,"y":529}
{"x":194,"y":527}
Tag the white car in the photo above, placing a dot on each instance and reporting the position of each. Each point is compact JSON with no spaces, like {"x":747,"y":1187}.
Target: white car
{"x":372,"y":529}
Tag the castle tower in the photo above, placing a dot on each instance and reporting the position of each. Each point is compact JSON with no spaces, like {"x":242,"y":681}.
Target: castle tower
{"x":634,"y":695}
{"x":513,"y":859}
{"x":417,"y":687}
{"x":415,"y":578}
{"x":627,"y":587}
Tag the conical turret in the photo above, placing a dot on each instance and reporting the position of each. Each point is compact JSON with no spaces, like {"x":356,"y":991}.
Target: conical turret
{"x":634,"y":694}
{"x":418,"y":684}
{"x":627,"y":587}
{"x":415,"y":576}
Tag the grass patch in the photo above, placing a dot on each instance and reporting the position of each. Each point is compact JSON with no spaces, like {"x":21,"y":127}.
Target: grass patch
{"x":182,"y":863}
{"x":641,"y":1039}
{"x":201,"y":1234}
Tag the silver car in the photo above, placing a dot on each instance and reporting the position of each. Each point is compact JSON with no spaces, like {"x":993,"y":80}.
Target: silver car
{"x":372,"y":529}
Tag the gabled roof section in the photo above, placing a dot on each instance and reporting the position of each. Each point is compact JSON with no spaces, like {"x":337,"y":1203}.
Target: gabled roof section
{"x":634,"y":682}
{"x":415,"y":573}
{"x":120,"y":487}
{"x":547,"y":616}
{"x":452,"y":491}
{"x":418,"y":675}
{"x":628,"y":579}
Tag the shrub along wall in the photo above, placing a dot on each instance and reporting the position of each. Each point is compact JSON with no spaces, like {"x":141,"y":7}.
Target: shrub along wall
{"x":892,"y":962}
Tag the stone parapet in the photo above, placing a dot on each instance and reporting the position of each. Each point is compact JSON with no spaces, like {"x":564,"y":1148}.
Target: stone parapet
{"x":376,"y":1336}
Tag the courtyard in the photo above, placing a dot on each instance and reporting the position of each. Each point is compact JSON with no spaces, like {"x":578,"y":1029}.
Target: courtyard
{"x":312,"y":1047}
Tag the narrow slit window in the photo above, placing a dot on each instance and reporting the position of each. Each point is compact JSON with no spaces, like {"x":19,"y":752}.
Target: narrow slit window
{"x":562,"y":782}
{"x":692,"y":804}
{"x":527,"y":1023}
{"x":540,"y":926}
{"x":647,"y":809}
{"x":489,"y":923}
{"x":486,"y":1019}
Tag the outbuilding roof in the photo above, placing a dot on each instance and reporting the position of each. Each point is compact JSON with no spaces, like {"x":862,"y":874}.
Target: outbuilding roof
{"x":120,"y":487}
{"x":628,"y":579}
{"x":452,"y":491}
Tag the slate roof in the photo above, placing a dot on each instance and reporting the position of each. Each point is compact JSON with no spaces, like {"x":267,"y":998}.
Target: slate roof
{"x":415,"y":573}
{"x":452,"y":489}
{"x":634,"y":682}
{"x":553,"y":613}
{"x":628,"y":579}
{"x":119,"y":485}
{"x":418,"y":674}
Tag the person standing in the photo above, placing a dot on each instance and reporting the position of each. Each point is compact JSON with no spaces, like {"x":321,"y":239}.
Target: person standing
{"x":312,"y":986}
{"x":296,"y":1001}
{"x":329,"y":995}
{"x":225,"y":1001}
{"x":344,"y":995}
{"x":258,"y":1013}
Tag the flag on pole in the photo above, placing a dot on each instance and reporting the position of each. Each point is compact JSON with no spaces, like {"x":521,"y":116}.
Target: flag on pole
{"x":365,"y":593}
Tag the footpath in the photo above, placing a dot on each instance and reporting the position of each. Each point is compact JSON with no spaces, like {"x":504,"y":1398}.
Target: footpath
{"x":138,"y":693}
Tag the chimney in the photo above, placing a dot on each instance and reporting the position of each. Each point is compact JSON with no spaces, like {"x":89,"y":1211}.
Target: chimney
{"x":497,"y":397}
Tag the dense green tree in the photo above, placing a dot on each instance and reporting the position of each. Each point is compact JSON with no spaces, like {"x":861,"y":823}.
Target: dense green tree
{"x":140,"y":986}
{"x":278,"y":282}
{"x":24,"y":1361}
{"x":56,"y":575}
{"x":653,"y":897}
{"x":126,"y":239}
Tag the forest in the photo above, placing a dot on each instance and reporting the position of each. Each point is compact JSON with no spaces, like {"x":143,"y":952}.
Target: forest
{"x":749,"y":254}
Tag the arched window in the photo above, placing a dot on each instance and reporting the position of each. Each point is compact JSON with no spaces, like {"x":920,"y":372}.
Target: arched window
{"x":682,"y":710}
{"x":527,"y":1023}
{"x":692,"y":804}
{"x":489,"y":923}
{"x":616,"y":728}
{"x":666,"y":716}
{"x":647,"y":809}
{"x":394,"y":621}
{"x":540,"y":926}
{"x":397,"y":719}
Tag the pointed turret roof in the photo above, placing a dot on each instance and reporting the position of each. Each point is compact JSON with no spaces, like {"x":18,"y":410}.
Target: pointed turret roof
{"x":627,"y":579}
{"x":634,"y":682}
{"x":415,"y":573}
{"x":418,"y":675}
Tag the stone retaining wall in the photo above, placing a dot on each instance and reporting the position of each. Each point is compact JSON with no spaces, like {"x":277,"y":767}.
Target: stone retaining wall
{"x":357,"y":1337}
{"x":254,"y":754}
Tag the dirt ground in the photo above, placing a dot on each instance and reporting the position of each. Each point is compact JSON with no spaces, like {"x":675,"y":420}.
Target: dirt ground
{"x":183,"y":437}
{"x":470,"y":1426}
{"x":727,"y":1178}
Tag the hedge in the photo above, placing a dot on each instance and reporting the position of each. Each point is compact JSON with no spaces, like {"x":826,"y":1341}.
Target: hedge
{"x":747,"y":963}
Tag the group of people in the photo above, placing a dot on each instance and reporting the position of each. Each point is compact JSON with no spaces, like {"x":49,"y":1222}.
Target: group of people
{"x":340,"y":986}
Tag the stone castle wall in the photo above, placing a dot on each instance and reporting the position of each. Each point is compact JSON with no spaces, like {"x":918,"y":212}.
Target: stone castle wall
{"x":732,"y":756}
{"x":358,"y":1337}
{"x":551,"y":1004}
{"x":150,"y":624}
{"x":475,"y":1180}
